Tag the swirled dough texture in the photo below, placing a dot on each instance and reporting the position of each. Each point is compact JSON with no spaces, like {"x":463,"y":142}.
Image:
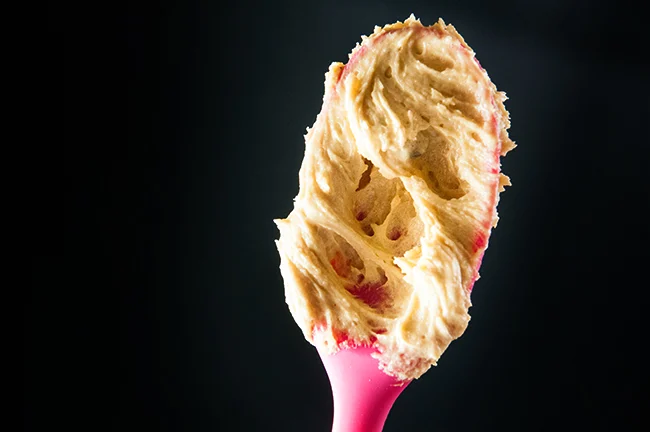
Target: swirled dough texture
{"x":398,"y":193}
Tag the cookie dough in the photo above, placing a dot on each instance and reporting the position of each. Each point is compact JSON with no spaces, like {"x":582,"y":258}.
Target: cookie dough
{"x":398,"y":193}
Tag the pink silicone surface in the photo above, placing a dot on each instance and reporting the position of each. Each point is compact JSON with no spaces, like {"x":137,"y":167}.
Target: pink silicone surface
{"x":363,"y":395}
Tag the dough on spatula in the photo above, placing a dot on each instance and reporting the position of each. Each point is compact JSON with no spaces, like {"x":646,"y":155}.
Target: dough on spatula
{"x":398,"y":193}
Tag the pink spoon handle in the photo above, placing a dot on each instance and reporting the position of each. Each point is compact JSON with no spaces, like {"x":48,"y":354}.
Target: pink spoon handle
{"x":363,"y":395}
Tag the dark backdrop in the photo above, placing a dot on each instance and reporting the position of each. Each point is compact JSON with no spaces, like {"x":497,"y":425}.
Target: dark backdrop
{"x":183,"y":126}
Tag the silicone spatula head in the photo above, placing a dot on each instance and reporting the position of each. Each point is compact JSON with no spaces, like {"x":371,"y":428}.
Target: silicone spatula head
{"x":398,"y":193}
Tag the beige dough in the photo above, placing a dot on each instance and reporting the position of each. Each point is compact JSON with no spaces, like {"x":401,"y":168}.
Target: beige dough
{"x":398,"y":193}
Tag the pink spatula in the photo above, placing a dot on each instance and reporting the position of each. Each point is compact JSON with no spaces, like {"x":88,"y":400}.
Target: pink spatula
{"x":363,"y":394}
{"x":398,"y":194}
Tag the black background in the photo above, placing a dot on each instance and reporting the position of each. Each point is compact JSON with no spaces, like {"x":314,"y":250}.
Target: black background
{"x":183,"y":126}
